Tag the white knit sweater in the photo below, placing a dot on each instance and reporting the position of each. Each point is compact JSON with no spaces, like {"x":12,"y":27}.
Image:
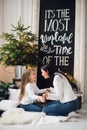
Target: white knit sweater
{"x":62,"y":89}
{"x":31,"y":93}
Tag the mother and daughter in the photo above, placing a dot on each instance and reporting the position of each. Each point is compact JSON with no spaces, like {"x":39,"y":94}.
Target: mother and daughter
{"x":62,"y":98}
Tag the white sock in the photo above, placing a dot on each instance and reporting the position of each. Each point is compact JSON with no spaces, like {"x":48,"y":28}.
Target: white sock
{"x":74,"y":114}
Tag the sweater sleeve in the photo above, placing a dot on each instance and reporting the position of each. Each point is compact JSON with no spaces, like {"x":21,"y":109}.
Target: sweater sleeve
{"x":58,"y":89}
{"x":38,"y":91}
{"x":31,"y":93}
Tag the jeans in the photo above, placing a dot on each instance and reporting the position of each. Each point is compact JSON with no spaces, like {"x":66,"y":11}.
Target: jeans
{"x":57,"y":108}
{"x":31,"y":107}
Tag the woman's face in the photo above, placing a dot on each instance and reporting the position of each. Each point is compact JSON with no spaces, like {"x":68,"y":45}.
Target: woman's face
{"x":44,"y":74}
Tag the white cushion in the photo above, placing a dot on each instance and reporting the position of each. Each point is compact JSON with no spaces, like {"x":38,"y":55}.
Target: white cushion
{"x":8,"y":104}
{"x":14,"y":94}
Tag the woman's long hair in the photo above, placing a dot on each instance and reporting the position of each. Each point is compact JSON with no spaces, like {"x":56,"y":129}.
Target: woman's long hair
{"x":49,"y":69}
{"x":24,"y":80}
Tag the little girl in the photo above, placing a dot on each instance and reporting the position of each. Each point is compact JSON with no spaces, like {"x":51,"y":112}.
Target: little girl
{"x":29,"y":92}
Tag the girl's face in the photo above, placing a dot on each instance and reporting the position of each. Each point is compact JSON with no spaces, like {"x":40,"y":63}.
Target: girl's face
{"x":44,"y":74}
{"x":32,"y":76}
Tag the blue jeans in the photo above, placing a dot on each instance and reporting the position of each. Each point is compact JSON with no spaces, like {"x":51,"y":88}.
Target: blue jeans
{"x":31,"y":107}
{"x":57,"y":108}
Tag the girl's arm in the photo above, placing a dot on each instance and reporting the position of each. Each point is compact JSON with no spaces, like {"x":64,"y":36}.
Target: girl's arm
{"x":33,"y":96}
{"x":38,"y":91}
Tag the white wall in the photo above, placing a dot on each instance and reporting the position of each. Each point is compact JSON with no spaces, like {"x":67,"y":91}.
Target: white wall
{"x":85,"y":89}
{"x":79,"y":64}
{"x":11,"y":10}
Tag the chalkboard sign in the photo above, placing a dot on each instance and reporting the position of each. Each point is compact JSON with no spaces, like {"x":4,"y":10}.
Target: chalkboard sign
{"x":56,"y":36}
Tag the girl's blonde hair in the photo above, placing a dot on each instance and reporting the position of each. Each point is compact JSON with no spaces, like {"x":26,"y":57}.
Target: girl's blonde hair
{"x":24,"y":80}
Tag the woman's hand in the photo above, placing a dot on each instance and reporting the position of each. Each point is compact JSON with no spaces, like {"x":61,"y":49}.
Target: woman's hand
{"x":47,"y":89}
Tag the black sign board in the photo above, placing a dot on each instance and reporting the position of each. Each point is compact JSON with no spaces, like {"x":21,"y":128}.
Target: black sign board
{"x":56,"y":36}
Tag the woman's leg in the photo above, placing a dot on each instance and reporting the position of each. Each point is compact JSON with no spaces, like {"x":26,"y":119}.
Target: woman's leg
{"x":57,"y":108}
{"x":31,"y":107}
{"x":76,"y":104}
{"x":52,"y":108}
{"x":70,"y":106}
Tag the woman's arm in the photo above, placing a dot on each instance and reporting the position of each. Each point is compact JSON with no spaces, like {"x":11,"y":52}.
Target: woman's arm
{"x":57,"y":94}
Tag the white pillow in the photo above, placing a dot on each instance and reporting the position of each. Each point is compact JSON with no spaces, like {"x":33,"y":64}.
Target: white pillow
{"x":8,"y":104}
{"x":14,"y":94}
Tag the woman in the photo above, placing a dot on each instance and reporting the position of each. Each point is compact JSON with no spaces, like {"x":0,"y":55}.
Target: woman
{"x":29,"y":92}
{"x":63,"y":98}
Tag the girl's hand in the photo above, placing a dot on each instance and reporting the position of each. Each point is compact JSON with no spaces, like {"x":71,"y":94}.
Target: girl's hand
{"x":45,"y":95}
{"x":42,"y":99}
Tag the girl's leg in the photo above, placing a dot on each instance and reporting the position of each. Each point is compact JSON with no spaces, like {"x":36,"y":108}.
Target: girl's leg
{"x":31,"y":107}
